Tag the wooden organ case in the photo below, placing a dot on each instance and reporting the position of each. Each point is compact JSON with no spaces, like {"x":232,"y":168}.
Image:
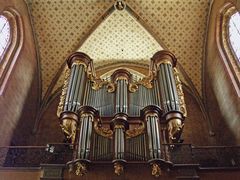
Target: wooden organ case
{"x":122,"y":118}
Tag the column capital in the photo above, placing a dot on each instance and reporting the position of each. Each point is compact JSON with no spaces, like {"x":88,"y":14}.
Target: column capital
{"x":120,"y":119}
{"x":79,"y":57}
{"x":121,"y":74}
{"x":164,"y":56}
{"x":151,"y":109}
{"x":88,"y":110}
{"x":68,"y":115}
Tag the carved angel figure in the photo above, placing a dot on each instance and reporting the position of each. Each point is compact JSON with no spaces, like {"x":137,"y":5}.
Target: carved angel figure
{"x":69,"y":128}
{"x":174,"y":129}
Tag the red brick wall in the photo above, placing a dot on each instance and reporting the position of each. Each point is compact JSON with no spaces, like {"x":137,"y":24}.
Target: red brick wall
{"x":17,"y":91}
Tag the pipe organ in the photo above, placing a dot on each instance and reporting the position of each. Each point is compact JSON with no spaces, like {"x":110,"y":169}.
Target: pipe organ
{"x":121,"y":118}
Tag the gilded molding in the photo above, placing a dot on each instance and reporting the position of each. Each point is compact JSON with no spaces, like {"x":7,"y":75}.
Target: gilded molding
{"x":121,"y":78}
{"x":84,"y":115}
{"x":165,"y":61}
{"x":180,"y":93}
{"x":119,"y":126}
{"x":64,"y":91}
{"x":136,"y":131}
{"x":80,"y":62}
{"x":105,"y":132}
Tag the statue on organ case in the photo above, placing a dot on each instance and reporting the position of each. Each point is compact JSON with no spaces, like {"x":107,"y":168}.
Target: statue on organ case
{"x":69,"y":128}
{"x":175,"y":127}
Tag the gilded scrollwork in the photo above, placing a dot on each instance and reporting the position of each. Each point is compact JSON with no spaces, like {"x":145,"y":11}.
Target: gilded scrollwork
{"x":156,"y":170}
{"x":81,"y":169}
{"x":180,"y":92}
{"x":111,"y":87}
{"x":147,"y":80}
{"x":98,"y":83}
{"x":105,"y":132}
{"x":64,"y":91}
{"x":132,"y":87}
{"x":136,"y":131}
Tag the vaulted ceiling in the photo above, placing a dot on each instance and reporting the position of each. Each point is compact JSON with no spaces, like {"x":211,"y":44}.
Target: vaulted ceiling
{"x":64,"y":26}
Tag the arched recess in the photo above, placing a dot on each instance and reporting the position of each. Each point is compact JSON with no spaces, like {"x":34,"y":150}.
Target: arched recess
{"x":14,"y":46}
{"x":224,"y":46}
{"x":57,"y":81}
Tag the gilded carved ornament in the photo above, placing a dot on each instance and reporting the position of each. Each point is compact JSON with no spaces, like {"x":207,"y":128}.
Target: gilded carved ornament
{"x":119,"y":126}
{"x":174,"y":128}
{"x":147,"y":80}
{"x":118,"y":168}
{"x":111,"y":87}
{"x":69,"y":128}
{"x":64,"y":91}
{"x":105,"y":132}
{"x":156,"y":170}
{"x":136,"y":131}
{"x":81,"y":169}
{"x":132,"y":87}
{"x":180,"y":93}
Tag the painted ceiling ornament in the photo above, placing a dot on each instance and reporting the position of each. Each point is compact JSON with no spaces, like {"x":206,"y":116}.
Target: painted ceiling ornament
{"x":120,"y":5}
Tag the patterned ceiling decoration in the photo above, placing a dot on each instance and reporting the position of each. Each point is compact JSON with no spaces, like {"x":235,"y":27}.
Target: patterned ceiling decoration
{"x":120,"y":38}
{"x":181,"y":25}
{"x":60,"y":26}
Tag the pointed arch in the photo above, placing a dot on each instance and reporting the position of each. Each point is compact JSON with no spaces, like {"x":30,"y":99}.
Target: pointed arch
{"x":11,"y":52}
